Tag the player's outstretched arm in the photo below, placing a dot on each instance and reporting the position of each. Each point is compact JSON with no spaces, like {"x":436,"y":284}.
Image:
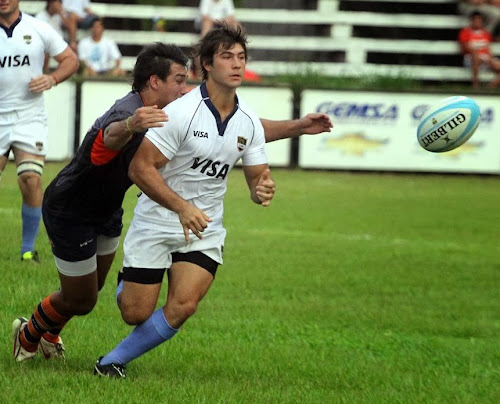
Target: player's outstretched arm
{"x":260,"y":183}
{"x":117,"y":134}
{"x":311,"y":124}
{"x":143,"y":171}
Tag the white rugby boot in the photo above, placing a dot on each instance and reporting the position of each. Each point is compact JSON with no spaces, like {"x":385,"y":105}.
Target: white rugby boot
{"x":52,"y":350}
{"x":20,"y":354}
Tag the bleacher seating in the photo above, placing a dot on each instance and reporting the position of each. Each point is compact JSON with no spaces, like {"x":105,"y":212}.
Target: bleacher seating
{"x":338,"y":37}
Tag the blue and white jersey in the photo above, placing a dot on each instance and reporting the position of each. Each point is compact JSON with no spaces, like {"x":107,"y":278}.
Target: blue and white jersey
{"x":22,"y":50}
{"x":202,"y":150}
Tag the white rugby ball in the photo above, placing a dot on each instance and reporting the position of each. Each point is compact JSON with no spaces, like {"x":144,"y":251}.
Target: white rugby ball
{"x":448,"y":124}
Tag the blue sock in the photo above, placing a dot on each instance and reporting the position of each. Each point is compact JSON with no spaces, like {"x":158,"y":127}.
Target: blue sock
{"x":145,"y":336}
{"x":119,"y":289}
{"x":31,"y":222}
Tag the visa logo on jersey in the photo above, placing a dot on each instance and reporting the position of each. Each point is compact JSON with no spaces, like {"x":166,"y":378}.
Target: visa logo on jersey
{"x":211,"y":168}
{"x":14,"y":61}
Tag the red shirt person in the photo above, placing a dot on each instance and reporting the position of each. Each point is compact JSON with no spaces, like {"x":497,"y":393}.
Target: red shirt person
{"x":475,"y":43}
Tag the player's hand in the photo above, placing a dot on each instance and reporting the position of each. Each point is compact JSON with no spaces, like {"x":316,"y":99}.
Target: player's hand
{"x":147,"y":117}
{"x":42,"y":83}
{"x":265,"y":188}
{"x":193,"y":219}
{"x":315,"y":123}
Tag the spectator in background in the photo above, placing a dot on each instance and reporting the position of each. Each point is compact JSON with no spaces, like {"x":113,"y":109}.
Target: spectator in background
{"x":55,"y":15}
{"x":212,"y":10}
{"x":218,"y":10}
{"x":475,"y":43}
{"x":489,"y":8}
{"x":99,"y":55}
{"x":79,"y":12}
{"x":58,"y":18}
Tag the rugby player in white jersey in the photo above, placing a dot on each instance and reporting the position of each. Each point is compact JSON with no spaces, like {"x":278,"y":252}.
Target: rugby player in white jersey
{"x":183,"y":168}
{"x":82,"y":205}
{"x":24,"y":40}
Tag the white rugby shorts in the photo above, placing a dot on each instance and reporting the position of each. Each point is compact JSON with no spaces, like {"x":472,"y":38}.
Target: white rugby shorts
{"x":25,"y":131}
{"x":147,"y":246}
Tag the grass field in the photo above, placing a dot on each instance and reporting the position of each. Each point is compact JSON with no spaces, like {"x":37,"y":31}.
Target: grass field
{"x":350,"y":288}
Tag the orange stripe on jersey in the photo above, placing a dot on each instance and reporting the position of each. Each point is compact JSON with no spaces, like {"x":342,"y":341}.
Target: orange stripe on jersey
{"x":101,"y":154}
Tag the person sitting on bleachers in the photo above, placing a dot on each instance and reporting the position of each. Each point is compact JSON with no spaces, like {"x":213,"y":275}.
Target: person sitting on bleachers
{"x":489,"y":8}
{"x":80,"y":13}
{"x":218,"y":10}
{"x":98,"y":54}
{"x":475,"y":43}
{"x":212,"y":10}
{"x":58,"y":18}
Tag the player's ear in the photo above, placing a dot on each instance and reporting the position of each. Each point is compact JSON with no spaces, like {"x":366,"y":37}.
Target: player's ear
{"x":153,"y":81}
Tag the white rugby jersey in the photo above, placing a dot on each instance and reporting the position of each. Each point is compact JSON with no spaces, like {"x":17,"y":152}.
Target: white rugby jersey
{"x":22,"y":49}
{"x":202,"y":150}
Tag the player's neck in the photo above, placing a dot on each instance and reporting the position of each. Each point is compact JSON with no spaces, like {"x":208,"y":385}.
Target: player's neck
{"x":9,"y":19}
{"x":222,"y":97}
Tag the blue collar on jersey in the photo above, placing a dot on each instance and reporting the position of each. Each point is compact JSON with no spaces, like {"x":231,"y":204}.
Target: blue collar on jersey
{"x":221,"y":126}
{"x":10,"y":30}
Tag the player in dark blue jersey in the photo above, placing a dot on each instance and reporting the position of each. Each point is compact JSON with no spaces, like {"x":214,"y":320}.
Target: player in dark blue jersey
{"x":82,"y":205}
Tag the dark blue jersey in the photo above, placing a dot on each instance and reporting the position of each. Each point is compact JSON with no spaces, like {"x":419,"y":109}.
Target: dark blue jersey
{"x":92,"y":186}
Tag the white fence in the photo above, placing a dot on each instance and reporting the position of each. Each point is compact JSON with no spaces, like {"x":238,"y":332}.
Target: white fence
{"x":341,"y":25}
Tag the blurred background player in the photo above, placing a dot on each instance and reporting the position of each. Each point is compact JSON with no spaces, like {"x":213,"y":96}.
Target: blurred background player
{"x":23,"y":121}
{"x":475,"y":43}
{"x":98,"y":54}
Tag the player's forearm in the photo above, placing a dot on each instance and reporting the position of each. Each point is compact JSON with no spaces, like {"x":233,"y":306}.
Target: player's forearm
{"x":118,"y":134}
{"x":149,"y":181}
{"x":276,"y":130}
{"x":67,"y":67}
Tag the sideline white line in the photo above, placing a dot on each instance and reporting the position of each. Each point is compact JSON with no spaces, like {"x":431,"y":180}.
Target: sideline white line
{"x":359,"y":237}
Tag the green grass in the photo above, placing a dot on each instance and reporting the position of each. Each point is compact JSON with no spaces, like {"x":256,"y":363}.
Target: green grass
{"x":350,"y":288}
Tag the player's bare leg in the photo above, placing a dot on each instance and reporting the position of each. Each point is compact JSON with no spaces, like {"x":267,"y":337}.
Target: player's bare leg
{"x":187,"y":285}
{"x":29,"y":170}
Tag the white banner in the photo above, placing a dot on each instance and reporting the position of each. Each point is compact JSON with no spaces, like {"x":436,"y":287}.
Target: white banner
{"x":60,"y":106}
{"x":377,"y":131}
{"x":271,"y":103}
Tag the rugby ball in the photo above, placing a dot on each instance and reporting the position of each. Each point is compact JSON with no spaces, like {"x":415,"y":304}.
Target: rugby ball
{"x":448,"y":124}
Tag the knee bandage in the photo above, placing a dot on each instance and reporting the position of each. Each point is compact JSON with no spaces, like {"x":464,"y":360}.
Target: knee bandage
{"x":33,"y":166}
